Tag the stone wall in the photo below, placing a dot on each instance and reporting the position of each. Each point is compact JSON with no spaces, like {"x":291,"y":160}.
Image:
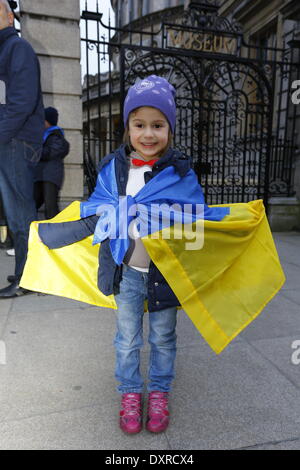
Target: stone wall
{"x":52,"y":28}
{"x":131,"y":10}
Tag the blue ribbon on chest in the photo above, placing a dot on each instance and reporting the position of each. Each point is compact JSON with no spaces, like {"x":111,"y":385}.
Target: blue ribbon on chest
{"x":165,"y":200}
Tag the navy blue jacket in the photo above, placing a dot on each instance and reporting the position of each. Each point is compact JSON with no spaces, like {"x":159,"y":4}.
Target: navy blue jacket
{"x":22,"y":113}
{"x":160,"y":295}
{"x":51,"y":166}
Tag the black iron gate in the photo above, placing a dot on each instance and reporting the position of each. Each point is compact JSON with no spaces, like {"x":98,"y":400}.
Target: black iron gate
{"x":224,"y":101}
{"x":221,"y":106}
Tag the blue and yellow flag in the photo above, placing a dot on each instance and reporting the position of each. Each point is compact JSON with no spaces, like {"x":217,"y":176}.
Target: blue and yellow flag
{"x":222,"y":287}
{"x":166,"y":200}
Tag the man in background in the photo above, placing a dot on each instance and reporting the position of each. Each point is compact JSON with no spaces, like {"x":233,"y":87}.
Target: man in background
{"x":21,"y":137}
{"x":49,"y":172}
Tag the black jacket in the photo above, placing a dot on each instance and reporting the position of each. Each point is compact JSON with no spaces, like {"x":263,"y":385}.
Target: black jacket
{"x":51,"y":166}
{"x":160,"y":295}
{"x":22,"y":112}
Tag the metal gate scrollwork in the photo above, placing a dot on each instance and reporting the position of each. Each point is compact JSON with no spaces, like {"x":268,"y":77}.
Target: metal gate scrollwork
{"x":224,"y":99}
{"x":223,"y":113}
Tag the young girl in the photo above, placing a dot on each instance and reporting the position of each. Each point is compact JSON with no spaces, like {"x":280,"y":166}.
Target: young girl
{"x":149,"y":118}
{"x":148,"y":134}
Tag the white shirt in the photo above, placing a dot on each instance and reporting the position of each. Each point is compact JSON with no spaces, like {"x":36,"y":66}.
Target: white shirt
{"x":136,"y":181}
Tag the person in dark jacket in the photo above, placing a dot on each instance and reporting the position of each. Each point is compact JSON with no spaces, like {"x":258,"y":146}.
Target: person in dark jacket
{"x":21,"y":137}
{"x":49,"y":172}
{"x":149,"y":117}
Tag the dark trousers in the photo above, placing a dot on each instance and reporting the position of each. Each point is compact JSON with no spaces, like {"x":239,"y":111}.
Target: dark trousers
{"x":8,"y":243}
{"x":2,"y":213}
{"x":16,"y":190}
{"x":46,"y":192}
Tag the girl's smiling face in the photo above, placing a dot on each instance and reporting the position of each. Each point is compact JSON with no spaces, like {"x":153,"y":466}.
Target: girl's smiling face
{"x":148,"y":132}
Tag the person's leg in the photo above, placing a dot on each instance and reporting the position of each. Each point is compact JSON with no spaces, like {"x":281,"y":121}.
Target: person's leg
{"x":38,"y":192}
{"x":129,"y":335}
{"x":128,"y":342}
{"x":2,"y":214}
{"x":16,"y":181}
{"x":6,"y":241}
{"x":51,"y":199}
{"x":162,"y":340}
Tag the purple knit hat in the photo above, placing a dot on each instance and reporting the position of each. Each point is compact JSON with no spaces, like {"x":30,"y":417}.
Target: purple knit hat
{"x":152,"y":91}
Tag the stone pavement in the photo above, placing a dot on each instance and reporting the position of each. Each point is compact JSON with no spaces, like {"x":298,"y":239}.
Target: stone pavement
{"x":57,"y":387}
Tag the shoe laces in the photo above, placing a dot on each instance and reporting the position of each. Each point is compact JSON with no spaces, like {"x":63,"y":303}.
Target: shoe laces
{"x":158,"y":403}
{"x":131,"y":404}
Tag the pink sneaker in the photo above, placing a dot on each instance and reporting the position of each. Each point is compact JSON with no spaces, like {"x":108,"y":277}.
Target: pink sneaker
{"x":131,"y":413}
{"x":158,"y":414}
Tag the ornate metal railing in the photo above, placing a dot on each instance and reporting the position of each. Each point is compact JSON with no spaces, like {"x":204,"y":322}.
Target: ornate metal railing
{"x":235,"y":118}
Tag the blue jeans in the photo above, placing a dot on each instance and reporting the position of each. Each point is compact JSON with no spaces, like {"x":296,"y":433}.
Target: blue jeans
{"x":129,"y":337}
{"x":17,"y":160}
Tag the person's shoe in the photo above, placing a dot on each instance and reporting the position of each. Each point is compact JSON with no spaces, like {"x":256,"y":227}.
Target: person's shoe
{"x":6,"y":245}
{"x":12,"y":278}
{"x":131,"y":413}
{"x":14,"y":290}
{"x":11,"y":252}
{"x":158,"y":413}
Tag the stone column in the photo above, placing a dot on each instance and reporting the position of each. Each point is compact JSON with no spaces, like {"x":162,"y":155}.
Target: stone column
{"x":52,"y":28}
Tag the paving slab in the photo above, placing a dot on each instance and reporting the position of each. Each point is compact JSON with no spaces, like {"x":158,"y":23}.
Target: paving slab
{"x":234,"y":400}
{"x":5,"y":306}
{"x":37,"y":303}
{"x":57,"y":389}
{"x":289,"y":444}
{"x":288,"y":251}
{"x":3,"y":320}
{"x":284,"y":354}
{"x":87,"y":428}
{"x":65,"y":358}
{"x":291,"y":294}
{"x":288,"y":247}
{"x":291,"y":237}
{"x":279,"y":318}
{"x":291,"y":272}
{"x":56,"y":361}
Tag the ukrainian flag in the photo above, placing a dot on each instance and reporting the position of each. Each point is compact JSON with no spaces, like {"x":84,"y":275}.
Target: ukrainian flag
{"x":222,"y":287}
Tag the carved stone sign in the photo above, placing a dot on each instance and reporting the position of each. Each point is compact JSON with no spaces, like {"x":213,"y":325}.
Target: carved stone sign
{"x":202,"y":41}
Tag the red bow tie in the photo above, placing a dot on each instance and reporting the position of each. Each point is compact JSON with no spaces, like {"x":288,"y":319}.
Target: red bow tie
{"x":137,"y":162}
